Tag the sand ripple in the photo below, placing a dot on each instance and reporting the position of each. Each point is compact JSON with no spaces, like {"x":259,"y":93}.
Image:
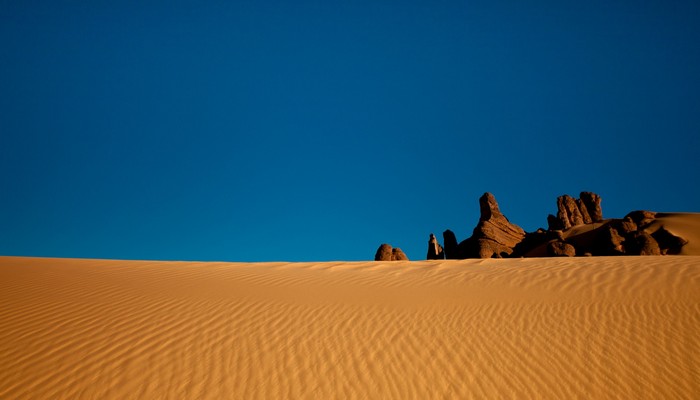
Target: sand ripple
{"x":529,"y":328}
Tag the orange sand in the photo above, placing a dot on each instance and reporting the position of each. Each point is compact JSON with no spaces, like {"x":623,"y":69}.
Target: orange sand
{"x":609,"y":327}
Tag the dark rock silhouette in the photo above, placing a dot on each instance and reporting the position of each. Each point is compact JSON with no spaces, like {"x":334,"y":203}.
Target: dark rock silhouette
{"x":450,"y":241}
{"x":643,"y":244}
{"x":669,"y":243}
{"x":560,"y":249}
{"x":435,"y":251}
{"x":609,"y":243}
{"x":553,"y":223}
{"x":383,"y":253}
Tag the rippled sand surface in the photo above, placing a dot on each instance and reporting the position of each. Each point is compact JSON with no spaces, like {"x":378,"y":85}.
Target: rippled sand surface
{"x":608,"y":327}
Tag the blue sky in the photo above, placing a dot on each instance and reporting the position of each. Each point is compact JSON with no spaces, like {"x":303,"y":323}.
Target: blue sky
{"x":317,"y":130}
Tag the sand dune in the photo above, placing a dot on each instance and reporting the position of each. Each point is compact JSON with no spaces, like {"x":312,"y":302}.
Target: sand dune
{"x":624,"y":327}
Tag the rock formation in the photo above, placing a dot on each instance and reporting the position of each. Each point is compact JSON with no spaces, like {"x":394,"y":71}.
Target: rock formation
{"x":435,"y":251}
{"x":383,"y":253}
{"x":638,"y":233}
{"x":592,"y":203}
{"x":386,"y":253}
{"x":494,"y":236}
{"x":398,"y":255}
{"x":560,"y":249}
{"x":451,"y":249}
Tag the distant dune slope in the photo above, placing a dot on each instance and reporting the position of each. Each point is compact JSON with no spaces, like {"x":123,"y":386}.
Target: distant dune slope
{"x":607,"y":327}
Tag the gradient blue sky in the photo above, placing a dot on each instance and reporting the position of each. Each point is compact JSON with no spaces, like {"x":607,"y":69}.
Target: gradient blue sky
{"x":316,"y":130}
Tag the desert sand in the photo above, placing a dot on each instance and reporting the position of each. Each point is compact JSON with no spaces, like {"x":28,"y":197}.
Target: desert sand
{"x":607,"y":327}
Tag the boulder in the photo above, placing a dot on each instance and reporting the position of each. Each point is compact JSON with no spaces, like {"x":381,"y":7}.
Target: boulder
{"x":383,"y":253}
{"x":641,"y":217}
{"x":643,"y":244}
{"x":592,"y":203}
{"x":609,"y":242}
{"x":668,"y":242}
{"x":560,"y":249}
{"x":624,"y":226}
{"x":398,"y":255}
{"x":450,"y":241}
{"x":435,"y":251}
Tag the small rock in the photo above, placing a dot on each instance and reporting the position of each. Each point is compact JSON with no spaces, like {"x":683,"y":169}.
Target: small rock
{"x":560,"y":249}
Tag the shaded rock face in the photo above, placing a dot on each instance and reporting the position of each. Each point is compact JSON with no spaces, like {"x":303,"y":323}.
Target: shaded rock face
{"x":435,"y":251}
{"x":450,"y":241}
{"x":383,"y":253}
{"x":668,"y":243}
{"x":386,"y":253}
{"x":572,"y":212}
{"x":568,"y":212}
{"x":643,"y":244}
{"x":641,"y":217}
{"x":592,"y":203}
{"x":398,"y":255}
{"x":553,"y":223}
{"x":560,"y":249}
{"x":494,"y":236}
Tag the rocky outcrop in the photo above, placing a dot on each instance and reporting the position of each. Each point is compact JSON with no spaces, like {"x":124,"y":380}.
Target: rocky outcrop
{"x":638,"y":233}
{"x":592,"y":203}
{"x":568,"y":212}
{"x":668,"y":243}
{"x":572,"y":212}
{"x":494,"y":236}
{"x":560,"y":249}
{"x":383,"y":253}
{"x":435,"y":251}
{"x":386,"y":253}
{"x":398,"y":255}
{"x":450,"y":241}
{"x":643,"y":244}
{"x":641,"y":217}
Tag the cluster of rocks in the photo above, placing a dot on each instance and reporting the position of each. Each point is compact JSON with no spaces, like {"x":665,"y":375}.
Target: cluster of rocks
{"x":578,"y":229}
{"x":572,"y":212}
{"x":387,"y":253}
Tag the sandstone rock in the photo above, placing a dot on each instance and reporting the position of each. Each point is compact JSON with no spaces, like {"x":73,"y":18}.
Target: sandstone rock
{"x":593,"y":207}
{"x":494,"y":235}
{"x":668,"y":242}
{"x":641,"y":217}
{"x":609,"y":242}
{"x":643,"y":244}
{"x":435,"y":251}
{"x":560,"y":249}
{"x":553,"y":223}
{"x":584,"y":212}
{"x":624,"y":226}
{"x":384,"y":253}
{"x":398,"y":255}
{"x":450,"y":241}
{"x":568,"y":211}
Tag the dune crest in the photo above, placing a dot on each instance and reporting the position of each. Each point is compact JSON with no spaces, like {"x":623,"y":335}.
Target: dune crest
{"x":603,"y":327}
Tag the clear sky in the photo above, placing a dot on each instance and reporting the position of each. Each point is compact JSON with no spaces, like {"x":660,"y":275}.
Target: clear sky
{"x":317,"y":130}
